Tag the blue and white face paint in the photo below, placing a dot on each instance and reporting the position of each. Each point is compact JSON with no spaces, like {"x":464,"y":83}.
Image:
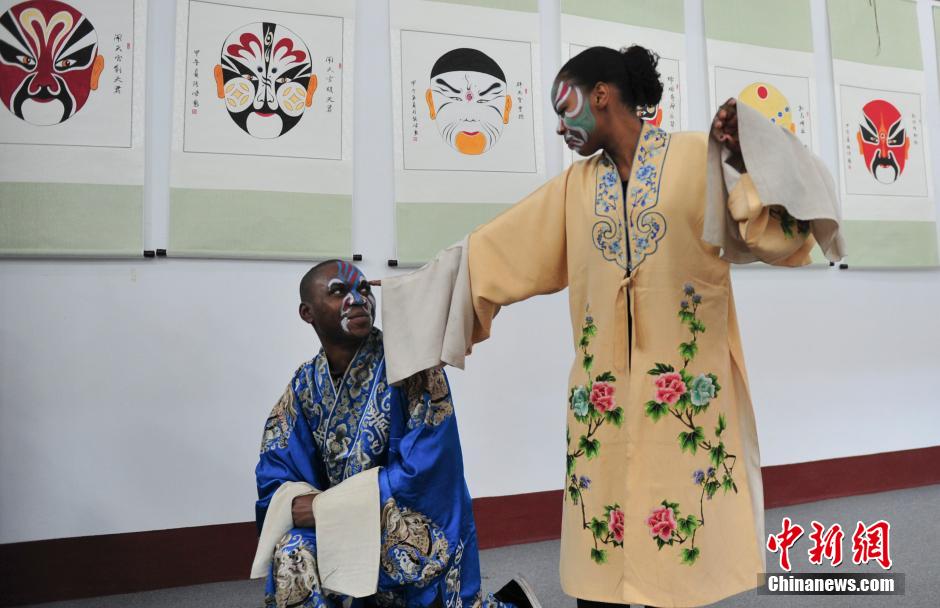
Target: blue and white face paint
{"x":358,"y":300}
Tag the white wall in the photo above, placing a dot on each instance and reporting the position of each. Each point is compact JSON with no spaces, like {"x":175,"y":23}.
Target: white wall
{"x":132,"y":393}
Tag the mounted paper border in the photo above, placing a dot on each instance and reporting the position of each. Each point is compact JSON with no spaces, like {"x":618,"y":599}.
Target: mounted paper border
{"x":763,"y":56}
{"x":72,"y":169}
{"x":658,"y":26}
{"x":468,"y":143}
{"x":888,"y":207}
{"x":257,"y":177}
{"x":936,"y":33}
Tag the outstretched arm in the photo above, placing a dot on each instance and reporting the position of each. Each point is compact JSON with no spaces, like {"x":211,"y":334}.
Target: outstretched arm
{"x":433,"y":316}
{"x":520,"y":254}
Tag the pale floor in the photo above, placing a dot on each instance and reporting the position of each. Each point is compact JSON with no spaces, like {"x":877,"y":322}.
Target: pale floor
{"x":915,"y":543}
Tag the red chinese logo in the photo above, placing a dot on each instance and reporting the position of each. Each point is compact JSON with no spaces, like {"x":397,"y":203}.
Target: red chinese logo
{"x":782,"y":542}
{"x":871,"y":544}
{"x":826,"y":545}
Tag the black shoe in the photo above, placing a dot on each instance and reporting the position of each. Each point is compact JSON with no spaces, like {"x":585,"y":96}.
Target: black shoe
{"x":518,"y":592}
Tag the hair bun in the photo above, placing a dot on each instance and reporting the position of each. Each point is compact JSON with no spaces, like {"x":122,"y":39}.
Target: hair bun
{"x":632,"y":71}
{"x":643,"y":78}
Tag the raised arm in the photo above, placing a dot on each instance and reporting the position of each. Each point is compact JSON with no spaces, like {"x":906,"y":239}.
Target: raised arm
{"x":769,"y":198}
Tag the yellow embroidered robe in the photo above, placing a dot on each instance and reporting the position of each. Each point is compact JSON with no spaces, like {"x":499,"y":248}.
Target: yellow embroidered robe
{"x":663,"y":497}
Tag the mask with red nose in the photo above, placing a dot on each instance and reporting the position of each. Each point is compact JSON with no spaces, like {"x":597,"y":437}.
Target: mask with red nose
{"x":883,"y":141}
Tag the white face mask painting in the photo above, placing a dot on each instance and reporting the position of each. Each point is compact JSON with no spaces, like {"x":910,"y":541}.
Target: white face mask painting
{"x":470,"y":110}
{"x":468,"y":98}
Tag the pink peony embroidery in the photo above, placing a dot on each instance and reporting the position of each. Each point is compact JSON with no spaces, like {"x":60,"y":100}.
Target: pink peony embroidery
{"x":615,"y":525}
{"x":662,"y":523}
{"x":669,"y":387}
{"x":602,"y":396}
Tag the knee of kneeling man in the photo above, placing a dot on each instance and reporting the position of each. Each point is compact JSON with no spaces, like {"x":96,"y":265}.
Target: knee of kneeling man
{"x":294,"y":548}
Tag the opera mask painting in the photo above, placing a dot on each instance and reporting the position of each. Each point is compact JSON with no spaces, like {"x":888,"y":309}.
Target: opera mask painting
{"x":469,"y":100}
{"x":49,"y":61}
{"x":265,"y":77}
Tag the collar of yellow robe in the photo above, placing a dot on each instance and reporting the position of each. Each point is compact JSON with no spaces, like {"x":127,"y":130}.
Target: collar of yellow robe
{"x":644,"y":226}
{"x":629,"y":244}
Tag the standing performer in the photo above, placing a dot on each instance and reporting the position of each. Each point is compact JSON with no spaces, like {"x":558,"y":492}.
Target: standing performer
{"x":663,"y":503}
{"x":361,"y":492}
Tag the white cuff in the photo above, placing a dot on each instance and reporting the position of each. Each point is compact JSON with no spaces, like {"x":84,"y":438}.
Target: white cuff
{"x":427,"y":315}
{"x":349,"y":535}
{"x":277,"y":522}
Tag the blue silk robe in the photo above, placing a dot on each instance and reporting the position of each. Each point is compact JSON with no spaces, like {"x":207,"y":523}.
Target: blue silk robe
{"x":322,"y":434}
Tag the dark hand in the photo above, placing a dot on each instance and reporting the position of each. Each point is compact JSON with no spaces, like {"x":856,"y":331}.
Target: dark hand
{"x":725,"y":131}
{"x":376,"y":282}
{"x":301,"y":510}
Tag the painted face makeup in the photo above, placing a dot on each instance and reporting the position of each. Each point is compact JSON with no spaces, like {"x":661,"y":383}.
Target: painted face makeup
{"x":468,"y":100}
{"x":265,"y":78}
{"x":49,"y":61}
{"x":355,"y":303}
{"x":578,"y":120}
{"x":882,"y":141}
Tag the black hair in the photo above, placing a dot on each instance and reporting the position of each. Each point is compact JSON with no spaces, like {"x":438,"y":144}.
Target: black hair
{"x":311,"y":275}
{"x":632,"y":70}
{"x":470,"y":60}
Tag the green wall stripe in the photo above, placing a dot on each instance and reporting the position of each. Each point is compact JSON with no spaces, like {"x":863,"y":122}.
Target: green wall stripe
{"x":247,"y":223}
{"x":854,"y":33}
{"x":817,"y":257}
{"x":426,"y":228}
{"x":46,"y":219}
{"x":782,"y":24}
{"x":892,"y":244}
{"x":666,"y":15}
{"x":936,"y":34}
{"x":528,"y":6}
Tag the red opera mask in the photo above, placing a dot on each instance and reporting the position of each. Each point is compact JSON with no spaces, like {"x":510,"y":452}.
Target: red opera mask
{"x":650,"y":114}
{"x":49,"y":61}
{"x":882,"y":141}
